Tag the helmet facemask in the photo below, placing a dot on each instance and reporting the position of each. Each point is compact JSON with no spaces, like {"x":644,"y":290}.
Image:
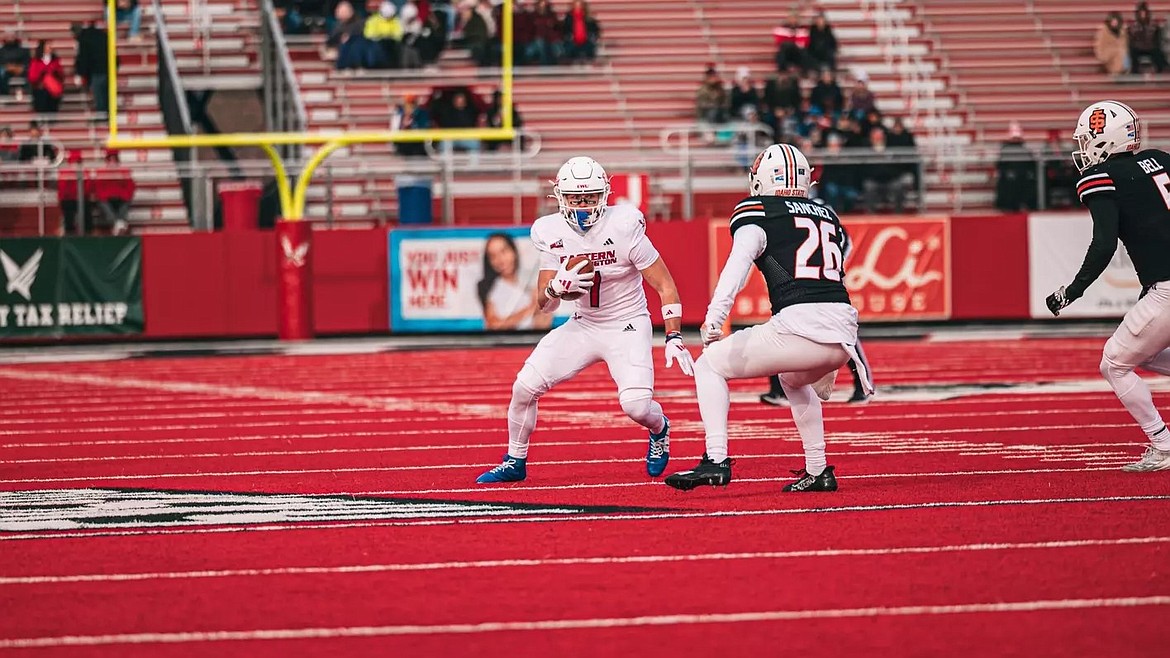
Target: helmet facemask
{"x":582,"y":209}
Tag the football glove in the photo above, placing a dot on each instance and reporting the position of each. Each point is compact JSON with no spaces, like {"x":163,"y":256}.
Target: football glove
{"x":1057,"y":301}
{"x":569,"y":280}
{"x":676,"y":351}
{"x":711,"y":332}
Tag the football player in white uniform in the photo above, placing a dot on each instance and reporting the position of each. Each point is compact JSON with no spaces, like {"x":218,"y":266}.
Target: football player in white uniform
{"x":797,"y":244}
{"x":611,"y":322}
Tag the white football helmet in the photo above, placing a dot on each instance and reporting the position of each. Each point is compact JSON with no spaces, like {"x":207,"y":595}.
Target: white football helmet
{"x":781,"y":170}
{"x":581,"y":175}
{"x":1105,"y":128}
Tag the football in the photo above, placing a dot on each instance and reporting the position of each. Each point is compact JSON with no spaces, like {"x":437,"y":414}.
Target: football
{"x":588,"y":268}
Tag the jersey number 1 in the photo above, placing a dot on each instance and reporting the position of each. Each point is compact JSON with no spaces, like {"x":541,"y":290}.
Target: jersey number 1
{"x":595,"y":291}
{"x":820,"y":236}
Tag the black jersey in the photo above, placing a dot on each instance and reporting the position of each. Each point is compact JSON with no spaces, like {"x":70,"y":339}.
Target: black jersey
{"x":803,"y":261}
{"x":1139,"y":186}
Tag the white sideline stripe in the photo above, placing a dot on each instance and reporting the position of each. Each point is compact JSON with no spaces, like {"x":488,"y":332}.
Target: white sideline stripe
{"x":295,"y":411}
{"x":650,"y":516}
{"x":577,"y":561}
{"x":651,"y":483}
{"x":895,"y":448}
{"x":568,"y":462}
{"x":593,"y":422}
{"x":385,"y":403}
{"x":567,"y":624}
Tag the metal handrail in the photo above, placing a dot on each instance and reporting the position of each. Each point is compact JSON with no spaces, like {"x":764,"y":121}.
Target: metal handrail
{"x":282,"y":91}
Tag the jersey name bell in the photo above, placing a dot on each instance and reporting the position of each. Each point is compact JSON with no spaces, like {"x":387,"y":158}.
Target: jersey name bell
{"x":619,"y":249}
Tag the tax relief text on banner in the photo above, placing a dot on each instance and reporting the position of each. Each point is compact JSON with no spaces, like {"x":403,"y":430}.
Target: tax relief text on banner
{"x":54,"y":287}
{"x":898,"y":269}
{"x":1057,"y":242}
{"x":465,"y":279}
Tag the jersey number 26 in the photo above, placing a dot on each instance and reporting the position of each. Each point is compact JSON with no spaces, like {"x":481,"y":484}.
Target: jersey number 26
{"x":820,"y":237}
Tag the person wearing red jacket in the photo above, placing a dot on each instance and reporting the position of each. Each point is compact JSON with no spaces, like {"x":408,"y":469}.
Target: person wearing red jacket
{"x":113,"y":188}
{"x":47,"y":79}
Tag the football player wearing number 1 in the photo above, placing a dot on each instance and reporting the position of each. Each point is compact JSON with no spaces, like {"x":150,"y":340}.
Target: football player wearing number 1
{"x":797,"y":245}
{"x":1128,"y":194}
{"x":611,"y":322}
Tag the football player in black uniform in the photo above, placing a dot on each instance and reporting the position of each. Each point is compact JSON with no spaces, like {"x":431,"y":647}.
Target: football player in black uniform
{"x":797,"y":245}
{"x":1127,"y":190}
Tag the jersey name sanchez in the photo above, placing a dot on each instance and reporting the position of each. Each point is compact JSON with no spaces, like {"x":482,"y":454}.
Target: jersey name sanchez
{"x":617,"y":245}
{"x":803,"y":260}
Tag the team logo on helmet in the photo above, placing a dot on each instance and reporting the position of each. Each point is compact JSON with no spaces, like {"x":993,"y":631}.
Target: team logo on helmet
{"x":756,"y":164}
{"x":1097,"y":122}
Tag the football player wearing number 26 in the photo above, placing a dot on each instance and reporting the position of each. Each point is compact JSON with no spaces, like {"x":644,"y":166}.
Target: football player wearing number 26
{"x":1127,"y":191}
{"x":796,"y":243}
{"x":611,"y":322}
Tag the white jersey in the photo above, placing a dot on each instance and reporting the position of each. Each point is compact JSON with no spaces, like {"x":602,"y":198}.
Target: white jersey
{"x":617,"y":245}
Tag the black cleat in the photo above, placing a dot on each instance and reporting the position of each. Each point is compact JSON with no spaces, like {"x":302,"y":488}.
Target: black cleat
{"x":826,"y":481}
{"x":706,"y":473}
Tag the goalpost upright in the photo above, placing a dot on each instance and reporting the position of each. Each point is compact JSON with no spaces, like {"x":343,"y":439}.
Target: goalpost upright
{"x":293,"y":235}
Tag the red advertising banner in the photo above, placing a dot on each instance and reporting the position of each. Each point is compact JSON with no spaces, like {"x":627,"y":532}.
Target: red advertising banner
{"x":899,"y":269}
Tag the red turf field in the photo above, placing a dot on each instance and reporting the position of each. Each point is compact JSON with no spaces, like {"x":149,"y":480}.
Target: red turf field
{"x":980,"y":525}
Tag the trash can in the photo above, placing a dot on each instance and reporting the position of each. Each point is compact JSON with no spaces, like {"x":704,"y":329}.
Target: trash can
{"x":414,"y":200}
{"x":240,"y":203}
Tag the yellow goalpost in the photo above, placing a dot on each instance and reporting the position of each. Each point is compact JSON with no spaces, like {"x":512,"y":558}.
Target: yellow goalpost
{"x":292,"y":195}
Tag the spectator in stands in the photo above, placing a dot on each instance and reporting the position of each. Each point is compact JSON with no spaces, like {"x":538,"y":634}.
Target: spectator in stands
{"x":412,"y":32}
{"x":13,"y":61}
{"x":1145,"y":40}
{"x":826,"y":97}
{"x":494,"y":118}
{"x":37,"y":148}
{"x":861,"y":98}
{"x":411,"y":116}
{"x":128,"y":11}
{"x":46,"y":78}
{"x":348,"y":39}
{"x":433,"y":38}
{"x":71,"y":194}
{"x":523,"y":34}
{"x":476,"y":33}
{"x":1111,"y":45}
{"x":711,"y":100}
{"x":463,"y":114}
{"x":581,"y":32}
{"x":899,"y":138}
{"x":9,"y":149}
{"x":883,"y":181}
{"x":1015,"y":185}
{"x":92,"y":63}
{"x":791,"y":43}
{"x":782,"y":98}
{"x":546,"y":44}
{"x":384,"y":30}
{"x":744,"y":94}
{"x":839,"y":185}
{"x":112,"y":188}
{"x":1060,"y":175}
{"x":822,"y":45}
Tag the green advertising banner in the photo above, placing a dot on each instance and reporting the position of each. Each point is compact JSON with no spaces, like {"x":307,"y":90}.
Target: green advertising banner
{"x":56,"y":287}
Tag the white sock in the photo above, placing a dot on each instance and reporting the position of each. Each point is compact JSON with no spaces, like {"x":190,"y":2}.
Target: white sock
{"x":806,"y":412}
{"x":521,"y":420}
{"x":714,"y":403}
{"x":1161,"y":439}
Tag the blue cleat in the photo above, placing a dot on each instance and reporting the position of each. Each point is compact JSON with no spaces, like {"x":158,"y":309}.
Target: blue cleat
{"x":659,"y":452}
{"x":512,"y":470}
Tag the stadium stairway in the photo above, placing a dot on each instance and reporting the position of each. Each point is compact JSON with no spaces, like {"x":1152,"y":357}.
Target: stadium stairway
{"x":1032,"y":63}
